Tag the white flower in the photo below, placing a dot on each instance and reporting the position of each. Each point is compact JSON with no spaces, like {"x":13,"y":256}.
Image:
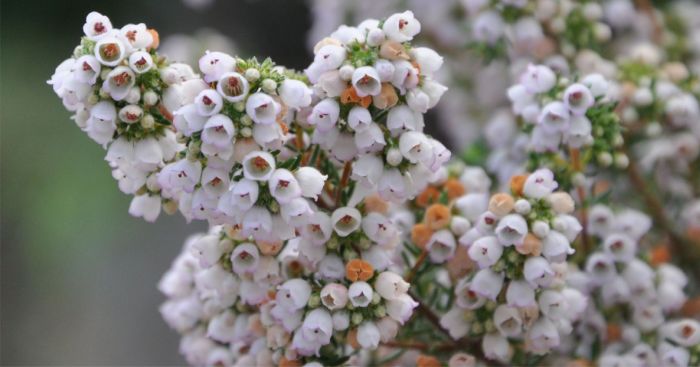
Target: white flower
{"x":429,"y":60}
{"x":388,"y":329}
{"x":262,"y":108}
{"x":538,"y":272}
{"x":368,"y":335}
{"x":401,"y":118}
{"x":258,"y":166}
{"x":208,"y":102}
{"x":233,"y":87}
{"x":110,"y":51}
{"x":318,"y":228}
{"x":367,"y":170}
{"x":415,"y":147}
{"x":441,"y":246}
{"x":488,"y":27}
{"x":554,"y":117}
{"x":675,"y":356}
{"x":119,"y":82}
{"x":341,"y":320}
{"x":96,"y":26}
{"x":601,"y":267}
{"x":401,"y":308}
{"x":539,"y":184}
{"x":553,"y":305}
{"x":390,"y":285}
{"x":218,"y":135}
{"x":385,"y":70}
{"x":181,"y":175}
{"x":556,"y":247}
{"x":102,"y":122}
{"x":136,"y":35}
{"x":359,"y":118}
{"x":284,"y":186}
{"x":379,"y":228}
{"x":543,"y":335}
{"x":520,"y":294}
{"x":360,"y":294}
{"x":578,"y":98}
{"x":245,"y":258}
{"x":596,"y":83}
{"x":331,"y":267}
{"x":434,"y":91}
{"x":684,"y":332}
{"x":140,"y":62}
{"x":317,"y":327}
{"x":370,"y":139}
{"x":208,"y":249}
{"x":214,"y":65}
{"x":620,"y":246}
{"x":648,"y":318}
{"x":293,"y":294}
{"x":366,"y":81}
{"x":331,"y":83}
{"x":487,"y":283}
{"x":394,"y":186}
{"x":672,"y":274}
{"x":538,"y":79}
{"x":453,"y":321}
{"x":334,"y":296}
{"x":600,"y":220}
{"x":511,"y":229}
{"x":508,"y":321}
{"x":296,"y":212}
{"x":325,"y":114}
{"x":87,"y":69}
{"x":401,"y":27}
{"x":347,"y":35}
{"x":579,"y":133}
{"x":671,"y":296}
{"x":241,"y":197}
{"x":346,"y":220}
{"x":486,"y":251}
{"x":329,"y":57}
{"x":496,"y":347}
{"x":188,"y":120}
{"x":257,"y":220}
{"x":145,"y":206}
{"x":295,"y":93}
{"x":406,"y":76}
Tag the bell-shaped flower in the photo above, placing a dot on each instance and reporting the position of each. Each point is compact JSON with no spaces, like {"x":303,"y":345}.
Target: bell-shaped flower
{"x":87,"y":69}
{"x":317,"y":327}
{"x":406,"y":76}
{"x":543,"y":335}
{"x":293,"y":294}
{"x":130,"y":114}
{"x":245,"y":258}
{"x":359,"y":118}
{"x":539,"y":184}
{"x":146,"y":206}
{"x":346,"y":220}
{"x":208,"y":249}
{"x":262,"y":108}
{"x":488,"y":27}
{"x":508,"y":321}
{"x":102,"y":122}
{"x":466,"y":298}
{"x":360,"y":294}
{"x":96,"y":26}
{"x":578,"y":98}
{"x":110,"y":51}
{"x":284,"y":186}
{"x":334,"y":296}
{"x":487,"y":283}
{"x":329,"y":57}
{"x":215,"y":182}
{"x":257,"y":220}
{"x":188,"y":120}
{"x":486,"y":251}
{"x":520,"y":294}
{"x":258,"y":166}
{"x":366,"y":81}
{"x":332,"y":84}
{"x":538,"y":79}
{"x":311,"y":181}
{"x":441,"y":246}
{"x":620,"y":246}
{"x":341,"y":320}
{"x":296,"y":211}
{"x":600,"y":267}
{"x":368,"y":335}
{"x":428,"y":60}
{"x":553,"y":305}
{"x":496,"y":347}
{"x":401,"y":27}
{"x":393,"y":186}
{"x":119,"y":82}
{"x":136,"y":36}
{"x":370,"y":140}
{"x":367,"y":170}
{"x":418,"y":100}
{"x":597,"y":84}
{"x":453,"y":321}
{"x":554,"y":117}
{"x":295,"y":94}
{"x":538,"y":272}
{"x":242,"y":196}
{"x":325,"y":114}
{"x":684,"y":332}
{"x":385,"y":69}
{"x":579,"y":133}
{"x":390,"y":285}
{"x":402,"y":118}
{"x":511,"y":229}
{"x":218,"y":135}
{"x":415,"y":147}
{"x":556,"y":247}
{"x":401,"y":308}
{"x":379,"y":228}
{"x":181,"y":175}
{"x":208,"y":102}
{"x":318,"y":228}
{"x":140,"y":62}
{"x":214,"y":65}
{"x":233,"y":87}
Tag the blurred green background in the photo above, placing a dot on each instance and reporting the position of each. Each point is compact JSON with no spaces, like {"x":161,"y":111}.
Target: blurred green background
{"x":78,"y":274}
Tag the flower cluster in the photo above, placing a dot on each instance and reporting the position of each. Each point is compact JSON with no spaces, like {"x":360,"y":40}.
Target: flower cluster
{"x":630,"y":303}
{"x":517,"y":299}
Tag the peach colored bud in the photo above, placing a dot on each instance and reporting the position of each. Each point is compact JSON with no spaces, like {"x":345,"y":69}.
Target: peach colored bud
{"x":375,"y":204}
{"x":501,"y":204}
{"x":427,"y":197}
{"x":581,"y":362}
{"x":601,"y":187}
{"x":269,"y":248}
{"x":660,"y":254}
{"x":676,"y":71}
{"x":529,"y":315}
{"x":437,"y":216}
{"x":387,"y":97}
{"x":256,"y":326}
{"x":462,"y":360}
{"x":531,"y":245}
{"x":392,"y":50}
{"x":284,"y":362}
{"x":460,"y":264}
{"x":420,"y":235}
{"x":352,"y":339}
{"x":614,"y":332}
{"x":325,"y":42}
{"x":350,"y":96}
{"x":628,"y":90}
{"x":691,"y":308}
{"x":427,"y":361}
{"x":156,"y":39}
{"x":454,"y":188}
{"x":561,"y":202}
{"x":357,"y":269}
{"x":517,"y":183}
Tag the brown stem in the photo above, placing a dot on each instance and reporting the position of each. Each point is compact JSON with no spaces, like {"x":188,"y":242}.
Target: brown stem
{"x":581,"y":192}
{"x":419,"y":261}
{"x":648,"y":8}
{"x":343,"y":182}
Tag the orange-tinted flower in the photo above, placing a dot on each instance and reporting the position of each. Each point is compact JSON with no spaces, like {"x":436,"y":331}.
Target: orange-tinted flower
{"x":269,"y":248}
{"x":614,"y":332}
{"x":460,"y":264}
{"x":349,"y":95}
{"x":420,"y":235}
{"x":427,"y":361}
{"x":387,"y":97}
{"x":284,"y":362}
{"x":437,"y":216}
{"x":352,"y":339}
{"x":357,"y":269}
{"x":427,"y":197}
{"x":156,"y":39}
{"x":454,"y":188}
{"x":660,"y":254}
{"x":392,"y":50}
{"x":501,"y":204}
{"x":375,"y":204}
{"x":517,"y":183}
{"x":531,"y":245}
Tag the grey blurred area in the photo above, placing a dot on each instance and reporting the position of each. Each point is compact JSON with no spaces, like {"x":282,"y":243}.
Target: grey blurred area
{"x":78,"y":275}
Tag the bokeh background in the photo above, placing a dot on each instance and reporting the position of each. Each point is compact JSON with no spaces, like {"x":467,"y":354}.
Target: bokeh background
{"x":78,"y":274}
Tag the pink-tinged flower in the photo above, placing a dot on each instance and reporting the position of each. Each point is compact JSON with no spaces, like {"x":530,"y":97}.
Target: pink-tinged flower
{"x":370,"y":140}
{"x":401,"y":27}
{"x":401,"y":308}
{"x":538,"y":79}
{"x":214,"y":65}
{"x":406,"y":76}
{"x":232,"y":86}
{"x":215,"y":182}
{"x":102,"y":122}
{"x":360,"y":294}
{"x":554,"y":117}
{"x":486,"y":251}
{"x":284,"y":186}
{"x":578,"y":98}
{"x":359,"y":118}
{"x":441,"y":246}
{"x":402,"y":118}
{"x":293,"y":294}
{"x":487,"y":283}
{"x":334,"y":296}
{"x":140,"y":62}
{"x":245,"y":258}
{"x":540,"y":184}
{"x":317,"y":328}
{"x":379,"y":228}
